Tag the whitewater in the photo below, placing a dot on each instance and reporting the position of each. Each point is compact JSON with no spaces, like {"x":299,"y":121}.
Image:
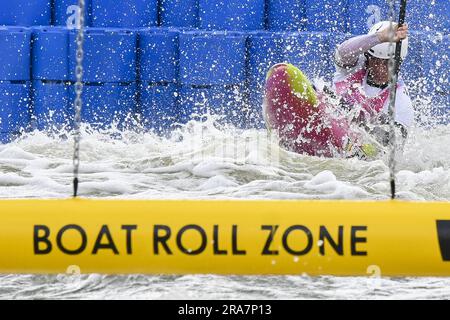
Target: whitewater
{"x":203,"y":160}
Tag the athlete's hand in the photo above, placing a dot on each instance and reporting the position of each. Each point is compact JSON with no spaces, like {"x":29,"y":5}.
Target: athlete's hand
{"x":400,"y":33}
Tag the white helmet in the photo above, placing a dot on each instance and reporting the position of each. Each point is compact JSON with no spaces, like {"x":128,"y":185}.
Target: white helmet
{"x":382,"y":50}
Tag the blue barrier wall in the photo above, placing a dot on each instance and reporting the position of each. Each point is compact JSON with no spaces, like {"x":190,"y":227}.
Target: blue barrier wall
{"x":110,"y":74}
{"x":159,"y":106}
{"x":412,"y":68}
{"x":109,"y":55}
{"x":364,"y":14}
{"x":310,"y":51}
{"x":128,"y":14}
{"x":421,"y":15}
{"x":108,"y":104}
{"x":52,"y":110}
{"x":264,"y":50}
{"x":110,"y":88}
{"x":162,"y":75}
{"x":15,"y":53}
{"x":436,"y":61}
{"x":212,"y":58}
{"x":226,"y":102}
{"x":25,"y":12}
{"x":14,"y":108}
{"x":232,"y":14}
{"x":179,"y":13}
{"x":66,"y":13}
{"x":431,"y":15}
{"x":286,"y":15}
{"x":436,"y":71}
{"x":158,"y":55}
{"x":212,"y":73}
{"x":326,"y":15}
{"x":14,"y":81}
{"x":50,"y":47}
{"x":158,"y":71}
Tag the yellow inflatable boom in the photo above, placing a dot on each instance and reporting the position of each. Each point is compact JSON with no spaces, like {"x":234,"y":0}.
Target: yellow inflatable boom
{"x":225,"y":237}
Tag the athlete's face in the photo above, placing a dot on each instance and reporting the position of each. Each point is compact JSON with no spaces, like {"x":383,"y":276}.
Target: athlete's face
{"x":378,"y":70}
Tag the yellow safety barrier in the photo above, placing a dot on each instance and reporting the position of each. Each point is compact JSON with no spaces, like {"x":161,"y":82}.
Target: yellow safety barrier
{"x":225,"y":237}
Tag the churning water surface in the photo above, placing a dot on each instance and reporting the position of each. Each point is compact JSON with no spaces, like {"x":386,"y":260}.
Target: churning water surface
{"x":201,"y":161}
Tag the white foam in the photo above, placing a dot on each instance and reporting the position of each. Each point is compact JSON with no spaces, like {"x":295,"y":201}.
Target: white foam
{"x":14,"y":152}
{"x":199,"y":161}
{"x":217,"y":183}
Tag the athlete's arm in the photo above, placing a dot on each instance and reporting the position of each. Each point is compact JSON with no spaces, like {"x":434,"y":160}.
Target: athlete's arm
{"x":347,"y":54}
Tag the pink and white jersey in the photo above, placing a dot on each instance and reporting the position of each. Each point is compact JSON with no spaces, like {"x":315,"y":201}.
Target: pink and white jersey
{"x":356,"y":79}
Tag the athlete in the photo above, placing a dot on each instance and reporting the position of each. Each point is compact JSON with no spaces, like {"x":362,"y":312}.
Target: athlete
{"x":351,"y":120}
{"x":362,"y":80}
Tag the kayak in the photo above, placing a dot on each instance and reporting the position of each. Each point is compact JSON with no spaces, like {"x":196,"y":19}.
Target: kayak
{"x":305,"y":120}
